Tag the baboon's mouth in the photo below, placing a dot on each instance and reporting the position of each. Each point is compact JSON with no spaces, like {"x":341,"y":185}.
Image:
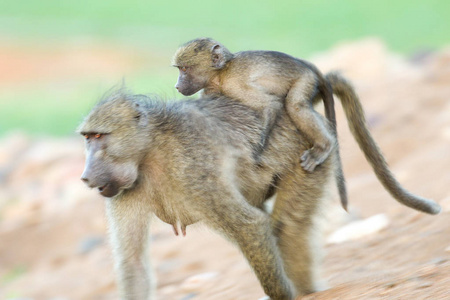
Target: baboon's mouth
{"x":104,"y":190}
{"x":109,"y":190}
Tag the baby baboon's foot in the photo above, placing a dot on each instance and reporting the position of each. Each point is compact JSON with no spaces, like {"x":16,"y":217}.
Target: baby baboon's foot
{"x":313,"y":157}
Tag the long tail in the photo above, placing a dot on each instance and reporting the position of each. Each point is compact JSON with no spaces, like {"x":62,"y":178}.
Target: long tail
{"x":327,"y":94}
{"x":358,"y":126}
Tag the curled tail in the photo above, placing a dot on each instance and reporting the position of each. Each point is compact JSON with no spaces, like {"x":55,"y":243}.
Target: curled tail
{"x":358,"y":126}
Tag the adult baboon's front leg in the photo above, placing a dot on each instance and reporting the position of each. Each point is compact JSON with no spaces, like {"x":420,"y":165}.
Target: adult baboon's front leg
{"x":129,"y":220}
{"x":250,"y":229}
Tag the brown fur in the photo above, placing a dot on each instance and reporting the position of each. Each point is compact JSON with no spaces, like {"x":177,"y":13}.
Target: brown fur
{"x":268,"y":82}
{"x":194,"y":163}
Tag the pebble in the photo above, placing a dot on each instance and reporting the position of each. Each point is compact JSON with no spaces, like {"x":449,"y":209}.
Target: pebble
{"x":89,"y":243}
{"x":189,"y":296}
{"x":359,"y":229}
{"x":425,"y":284}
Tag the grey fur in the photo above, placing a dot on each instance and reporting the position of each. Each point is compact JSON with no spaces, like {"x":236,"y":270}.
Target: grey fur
{"x":269,"y":82}
{"x":195,"y":164}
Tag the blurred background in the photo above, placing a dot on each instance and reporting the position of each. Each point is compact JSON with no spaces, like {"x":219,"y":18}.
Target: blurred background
{"x":58,"y":57}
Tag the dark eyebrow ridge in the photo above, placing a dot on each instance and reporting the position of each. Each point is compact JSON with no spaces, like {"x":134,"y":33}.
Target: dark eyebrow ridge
{"x":93,"y":133}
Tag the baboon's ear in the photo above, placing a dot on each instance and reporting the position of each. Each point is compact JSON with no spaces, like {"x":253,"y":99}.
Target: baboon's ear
{"x":140,"y":115}
{"x":218,"y":56}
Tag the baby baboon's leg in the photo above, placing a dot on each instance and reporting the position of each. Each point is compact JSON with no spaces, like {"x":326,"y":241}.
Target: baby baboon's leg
{"x":295,"y":213}
{"x":308,"y":121}
{"x":129,"y":220}
{"x":250,"y":229}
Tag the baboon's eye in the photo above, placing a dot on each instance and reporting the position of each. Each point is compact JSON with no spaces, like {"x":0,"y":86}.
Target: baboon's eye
{"x":86,"y":136}
{"x":183,"y":69}
{"x":97,"y":136}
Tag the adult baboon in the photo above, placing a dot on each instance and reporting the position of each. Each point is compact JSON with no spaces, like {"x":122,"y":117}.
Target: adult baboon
{"x":192,"y":161}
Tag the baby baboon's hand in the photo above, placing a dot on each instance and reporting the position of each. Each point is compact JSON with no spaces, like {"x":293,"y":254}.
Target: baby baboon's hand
{"x":313,"y":157}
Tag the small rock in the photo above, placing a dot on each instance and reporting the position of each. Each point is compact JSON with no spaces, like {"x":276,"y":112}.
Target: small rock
{"x":425,"y":284}
{"x":358,"y":229}
{"x":440,"y":260}
{"x":390,"y":285}
{"x":90,"y":243}
{"x":189,"y":296}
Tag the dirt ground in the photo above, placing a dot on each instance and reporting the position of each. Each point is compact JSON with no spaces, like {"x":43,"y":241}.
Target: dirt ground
{"x":53,"y":241}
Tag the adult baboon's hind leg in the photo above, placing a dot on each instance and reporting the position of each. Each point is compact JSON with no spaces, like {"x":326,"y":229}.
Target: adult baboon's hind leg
{"x":294,"y":220}
{"x":250,"y":229}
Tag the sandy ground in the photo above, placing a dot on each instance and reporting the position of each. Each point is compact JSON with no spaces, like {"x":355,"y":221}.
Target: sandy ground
{"x":53,"y":241}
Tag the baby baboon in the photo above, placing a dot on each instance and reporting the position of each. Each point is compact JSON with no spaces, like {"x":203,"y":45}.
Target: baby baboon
{"x":264,"y":80}
{"x":192,"y":161}
{"x":269,"y":82}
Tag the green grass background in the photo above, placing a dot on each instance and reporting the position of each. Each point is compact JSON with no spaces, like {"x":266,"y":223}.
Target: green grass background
{"x":300,"y":28}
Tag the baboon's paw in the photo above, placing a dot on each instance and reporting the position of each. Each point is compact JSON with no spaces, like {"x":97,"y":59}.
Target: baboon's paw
{"x":313,"y":157}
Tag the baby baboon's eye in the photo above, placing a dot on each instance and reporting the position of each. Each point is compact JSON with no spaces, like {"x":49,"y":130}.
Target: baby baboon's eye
{"x":97,"y":136}
{"x":86,"y":136}
{"x":183,"y":69}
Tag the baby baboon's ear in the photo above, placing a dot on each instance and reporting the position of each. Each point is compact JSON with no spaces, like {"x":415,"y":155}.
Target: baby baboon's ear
{"x":218,"y":56}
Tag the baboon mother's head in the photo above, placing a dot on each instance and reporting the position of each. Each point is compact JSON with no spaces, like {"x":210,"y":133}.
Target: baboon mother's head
{"x":115,"y":142}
